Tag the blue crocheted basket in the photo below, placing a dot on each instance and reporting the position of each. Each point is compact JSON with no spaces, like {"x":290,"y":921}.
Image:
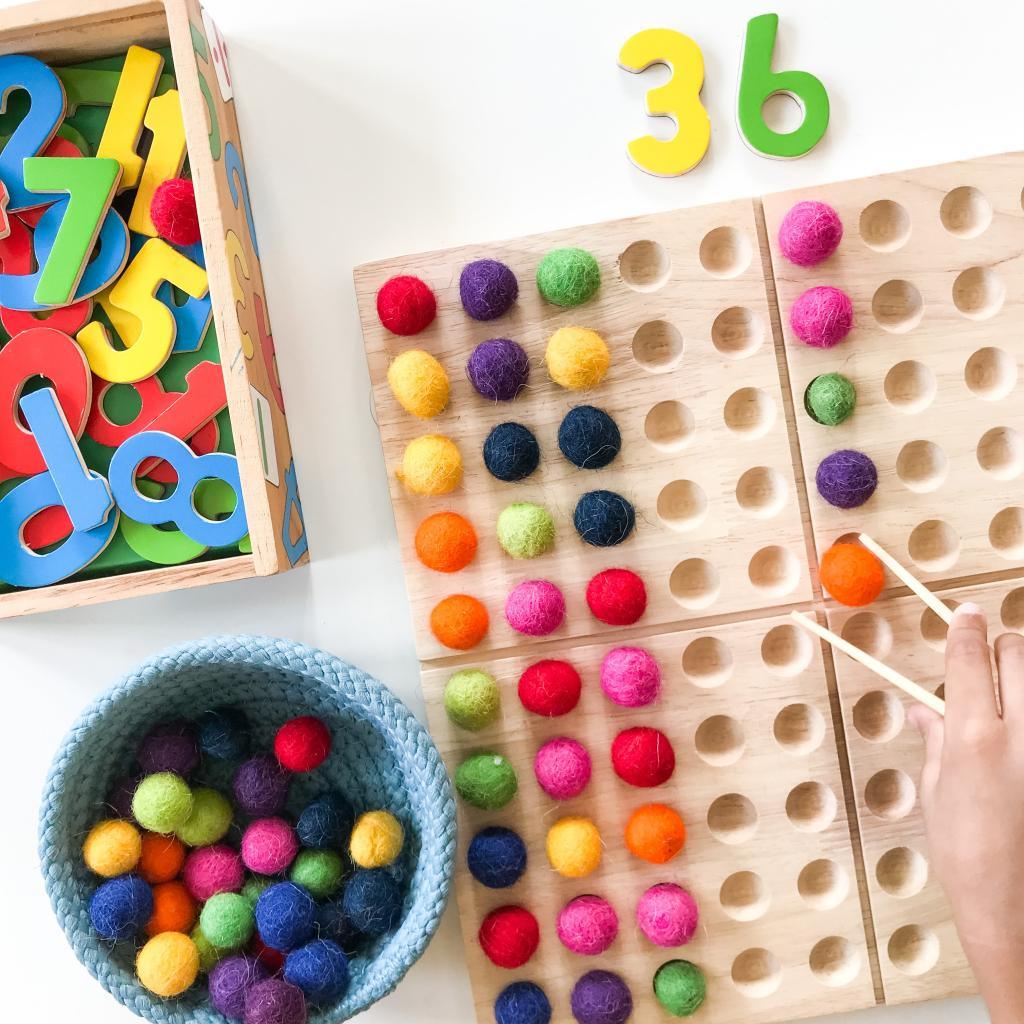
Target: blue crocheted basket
{"x":382,"y":757}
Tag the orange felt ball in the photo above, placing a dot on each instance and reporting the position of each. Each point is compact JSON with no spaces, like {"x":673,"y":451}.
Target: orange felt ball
{"x":445,"y":542}
{"x":174,"y":910}
{"x":852,"y":574}
{"x":655,"y":833}
{"x":162,"y":858}
{"x":459,"y":622}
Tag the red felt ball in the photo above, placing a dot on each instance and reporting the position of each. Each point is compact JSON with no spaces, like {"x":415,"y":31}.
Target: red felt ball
{"x":173,"y":211}
{"x":643,"y":757}
{"x":271,"y":959}
{"x":406,"y":305}
{"x":509,"y":936}
{"x":302,"y":744}
{"x":550,"y":688}
{"x":617,"y":597}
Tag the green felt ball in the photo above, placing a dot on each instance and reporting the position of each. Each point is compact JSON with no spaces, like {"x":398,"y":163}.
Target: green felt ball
{"x":254,"y":888}
{"x":679,"y":986}
{"x":319,"y":871}
{"x":227,"y":920}
{"x":486,"y":781}
{"x":209,"y":954}
{"x":471,"y":699}
{"x":830,"y":398}
{"x":209,"y":821}
{"x":526,"y":530}
{"x":568,"y":277}
{"x":162,"y":802}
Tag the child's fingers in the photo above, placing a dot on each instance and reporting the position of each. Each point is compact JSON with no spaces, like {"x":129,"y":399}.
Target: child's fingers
{"x":1010,"y":666}
{"x":970,"y":692}
{"x":931,"y":726}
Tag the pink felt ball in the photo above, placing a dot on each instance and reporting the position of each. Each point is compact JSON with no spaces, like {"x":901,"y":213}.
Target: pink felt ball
{"x":587,"y":925}
{"x":562,"y":767}
{"x":822,"y":316}
{"x":810,"y":233}
{"x":209,"y":870}
{"x":269,"y":846}
{"x":667,"y":915}
{"x":535,"y":607}
{"x":173,"y":211}
{"x":630,"y":677}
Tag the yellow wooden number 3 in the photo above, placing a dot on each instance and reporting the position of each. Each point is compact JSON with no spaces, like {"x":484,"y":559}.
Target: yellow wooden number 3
{"x":678,"y":98}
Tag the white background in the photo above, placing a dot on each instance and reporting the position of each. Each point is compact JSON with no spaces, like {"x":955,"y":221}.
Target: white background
{"x":373,"y":128}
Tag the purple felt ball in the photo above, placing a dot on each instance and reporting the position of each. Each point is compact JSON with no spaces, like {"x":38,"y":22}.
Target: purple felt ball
{"x":488,"y":289}
{"x":600,"y":997}
{"x":170,"y":747}
{"x":230,"y":979}
{"x":846,"y":478}
{"x":261,"y":787}
{"x":822,"y":316}
{"x":275,"y":1001}
{"x":810,"y":233}
{"x":499,"y":369}
{"x":119,"y":799}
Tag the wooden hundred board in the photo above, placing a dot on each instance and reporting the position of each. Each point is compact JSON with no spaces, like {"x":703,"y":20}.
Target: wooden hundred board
{"x":796,"y":773}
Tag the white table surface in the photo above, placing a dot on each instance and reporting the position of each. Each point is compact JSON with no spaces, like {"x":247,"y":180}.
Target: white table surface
{"x":373,"y":128}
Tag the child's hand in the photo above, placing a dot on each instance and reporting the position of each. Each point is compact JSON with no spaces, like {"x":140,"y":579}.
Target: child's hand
{"x":972,"y":792}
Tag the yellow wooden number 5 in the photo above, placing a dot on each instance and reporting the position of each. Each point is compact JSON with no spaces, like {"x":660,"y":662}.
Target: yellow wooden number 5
{"x":678,"y":98}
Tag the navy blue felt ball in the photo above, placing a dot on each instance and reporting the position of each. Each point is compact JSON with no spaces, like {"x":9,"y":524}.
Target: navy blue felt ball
{"x":333,"y":923}
{"x":320,"y":969}
{"x":496,"y":857}
{"x":223,"y":734}
{"x":604,"y":518}
{"x":511,"y":452}
{"x":522,"y":1002}
{"x":325,"y":823}
{"x":373,"y":901}
{"x":121,"y":907}
{"x":285,"y":916}
{"x":589,"y":437}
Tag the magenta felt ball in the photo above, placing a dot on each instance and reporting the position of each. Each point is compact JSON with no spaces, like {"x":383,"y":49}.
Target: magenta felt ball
{"x":587,"y":925}
{"x":667,"y":915}
{"x":630,"y":677}
{"x":209,"y":870}
{"x":822,"y":316}
{"x":535,"y":607}
{"x":810,"y":233}
{"x":269,"y":846}
{"x":562,"y":767}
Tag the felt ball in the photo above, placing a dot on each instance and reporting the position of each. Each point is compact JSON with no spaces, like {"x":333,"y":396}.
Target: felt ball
{"x":377,"y":839}
{"x":419,"y":383}
{"x":846,"y":478}
{"x":655,"y":833}
{"x":223,"y":734}
{"x":112,"y":847}
{"x":120,"y":907}
{"x":230,"y":980}
{"x":488,"y":289}
{"x":617,"y":597}
{"x":471,"y":700}
{"x":268,"y":846}
{"x":588,"y":437}
{"x":255,"y":886}
{"x":830,"y":399}
{"x":499,"y":369}
{"x":261,"y":786}
{"x":174,"y":910}
{"x":170,"y":747}
{"x":809,"y":233}
{"x":173,"y":211}
{"x":511,"y":452}
{"x":535,"y":608}
{"x":373,"y":901}
{"x":574,"y":847}
{"x":302,"y":744}
{"x":406,"y":305}
{"x":496,"y":857}
{"x":324,"y":823}
{"x":271,"y":960}
{"x":285,"y":916}
{"x":209,"y":821}
{"x":587,"y":925}
{"x":667,"y":914}
{"x":209,"y":954}
{"x":212,"y":869}
{"x":487,"y":781}
{"x":162,"y":802}
{"x":851,"y":574}
{"x":568,"y":277}
{"x":630,"y":677}
{"x":680,"y":987}
{"x":227,"y":920}
{"x":577,"y":358}
{"x":522,"y":1002}
{"x":550,"y":688}
{"x":119,"y":799}
{"x":525,"y":530}
{"x":333,"y":923}
{"x":161,"y":857}
{"x":603,"y":518}
{"x":643,"y":756}
{"x":320,"y":969}
{"x":275,"y":1001}
{"x":601,"y":997}
{"x":445,"y":542}
{"x":459,"y":621}
{"x":319,"y":871}
{"x":562,"y":767}
{"x":168,"y":964}
{"x":431,"y":465}
{"x":822,"y":317}
{"x":509,"y":936}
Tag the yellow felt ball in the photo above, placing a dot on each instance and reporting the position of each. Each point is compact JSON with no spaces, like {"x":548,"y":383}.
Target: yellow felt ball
{"x":377,"y":839}
{"x":112,"y":847}
{"x":574,"y":847}
{"x":431,"y":465}
{"x":419,"y":383}
{"x":577,"y":358}
{"x":168,"y":964}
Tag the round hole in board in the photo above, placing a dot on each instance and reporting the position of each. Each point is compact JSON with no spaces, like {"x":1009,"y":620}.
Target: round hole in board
{"x":719,"y":741}
{"x":682,"y":505}
{"x":823,"y":884}
{"x":884,"y":225}
{"x":1000,"y":453}
{"x":913,"y":950}
{"x":786,"y":650}
{"x":732,"y":819}
{"x":897,"y":306}
{"x":1006,"y":533}
{"x":670,"y":426}
{"x":870,"y":632}
{"x":645,"y":266}
{"x":799,"y":729}
{"x":834,"y":961}
{"x":890,"y":794}
{"x":965,"y":212}
{"x":657,"y":346}
{"x":707,"y":662}
{"x":922,"y":466}
{"x":990,"y":373}
{"x":774,"y":570}
{"x":934,"y":545}
{"x":978,"y":292}
{"x":762,"y":492}
{"x":933,"y":628}
{"x":811,"y":807}
{"x":694,"y":583}
{"x":878,"y":716}
{"x":737,"y":332}
{"x":750,"y":412}
{"x":744,"y":896}
{"x":756,"y":973}
{"x":725,"y":252}
{"x":901,"y":872}
{"x":1011,"y":611}
{"x":910,"y":386}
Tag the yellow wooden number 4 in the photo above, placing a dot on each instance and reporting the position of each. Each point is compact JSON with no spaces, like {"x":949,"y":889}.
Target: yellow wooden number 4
{"x":678,"y":98}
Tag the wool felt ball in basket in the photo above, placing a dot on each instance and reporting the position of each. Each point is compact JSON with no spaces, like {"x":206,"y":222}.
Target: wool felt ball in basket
{"x":382,"y":757}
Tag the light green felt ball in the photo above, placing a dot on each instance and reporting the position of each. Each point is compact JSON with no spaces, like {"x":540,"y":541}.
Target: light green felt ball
{"x":162,"y":802}
{"x":679,"y":986}
{"x":209,"y":821}
{"x":319,"y":871}
{"x":209,"y":954}
{"x":255,"y":887}
{"x":487,"y":781}
{"x":830,"y":399}
{"x":227,"y":920}
{"x":568,"y":277}
{"x":526,"y":530}
{"x":471,"y":699}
